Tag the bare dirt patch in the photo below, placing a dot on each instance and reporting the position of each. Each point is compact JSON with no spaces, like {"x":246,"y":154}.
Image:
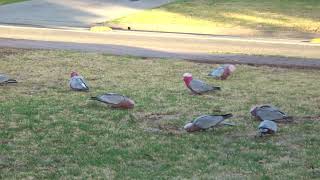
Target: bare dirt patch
{"x":159,"y":122}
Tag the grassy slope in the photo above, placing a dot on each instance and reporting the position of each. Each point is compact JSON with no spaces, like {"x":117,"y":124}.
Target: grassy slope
{"x":235,"y":17}
{"x":49,"y":131}
{"x":9,"y":1}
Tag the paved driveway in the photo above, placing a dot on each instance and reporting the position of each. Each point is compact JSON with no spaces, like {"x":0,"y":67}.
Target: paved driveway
{"x":71,"y":13}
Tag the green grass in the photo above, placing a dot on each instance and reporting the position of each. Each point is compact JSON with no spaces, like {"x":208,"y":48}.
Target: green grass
{"x":280,"y":18}
{"x":9,"y":1}
{"x":48,"y":131}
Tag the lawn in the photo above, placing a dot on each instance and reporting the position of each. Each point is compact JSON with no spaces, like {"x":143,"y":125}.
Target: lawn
{"x":277,"y":18}
{"x":48,"y":131}
{"x":9,"y":1}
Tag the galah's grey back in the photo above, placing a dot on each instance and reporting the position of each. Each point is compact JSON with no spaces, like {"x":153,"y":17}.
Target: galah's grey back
{"x":270,"y":113}
{"x":199,"y":86}
{"x":115,"y":100}
{"x":111,"y":98}
{"x":267,"y":127}
{"x":78,"y":83}
{"x":217,"y":72}
{"x":208,"y":121}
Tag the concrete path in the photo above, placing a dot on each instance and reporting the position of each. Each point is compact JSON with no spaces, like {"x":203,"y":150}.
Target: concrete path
{"x":71,"y":13}
{"x":170,"y":42}
{"x":289,"y":62}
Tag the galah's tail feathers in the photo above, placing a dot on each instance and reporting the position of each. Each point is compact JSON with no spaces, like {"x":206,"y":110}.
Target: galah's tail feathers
{"x":226,"y":116}
{"x":82,"y":83}
{"x":228,"y":123}
{"x":94,"y":98}
{"x":98,"y":99}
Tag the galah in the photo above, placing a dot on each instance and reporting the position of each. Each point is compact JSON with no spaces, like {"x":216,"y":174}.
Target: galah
{"x":197,"y":86}
{"x":223,"y":72}
{"x":4,"y":79}
{"x":268,"y":112}
{"x":267,"y":127}
{"x":115,"y":100}
{"x":207,"y":121}
{"x":78,"y":83}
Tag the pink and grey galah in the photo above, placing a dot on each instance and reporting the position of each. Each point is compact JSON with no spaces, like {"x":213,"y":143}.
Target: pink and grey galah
{"x":5,"y":79}
{"x":197,"y":86}
{"x":78,"y":83}
{"x":223,"y":72}
{"x":115,"y":100}
{"x":269,"y":112}
{"x":207,"y":121}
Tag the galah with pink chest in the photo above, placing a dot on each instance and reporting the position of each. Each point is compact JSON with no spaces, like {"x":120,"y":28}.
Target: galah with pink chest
{"x":197,"y":86}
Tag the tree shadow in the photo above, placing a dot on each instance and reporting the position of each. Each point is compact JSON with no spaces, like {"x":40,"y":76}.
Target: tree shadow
{"x":75,"y":13}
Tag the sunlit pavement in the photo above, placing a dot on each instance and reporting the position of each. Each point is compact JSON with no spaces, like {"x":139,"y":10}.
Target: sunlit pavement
{"x":202,"y":48}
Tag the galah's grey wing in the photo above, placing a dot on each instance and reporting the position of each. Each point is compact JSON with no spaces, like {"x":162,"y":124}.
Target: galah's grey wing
{"x":270,"y":113}
{"x":83,"y":84}
{"x":208,"y":121}
{"x":78,"y":84}
{"x":217,"y":72}
{"x":199,"y":86}
{"x":111,"y":98}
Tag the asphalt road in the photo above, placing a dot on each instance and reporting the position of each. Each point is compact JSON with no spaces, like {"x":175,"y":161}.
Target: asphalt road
{"x":199,"y":48}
